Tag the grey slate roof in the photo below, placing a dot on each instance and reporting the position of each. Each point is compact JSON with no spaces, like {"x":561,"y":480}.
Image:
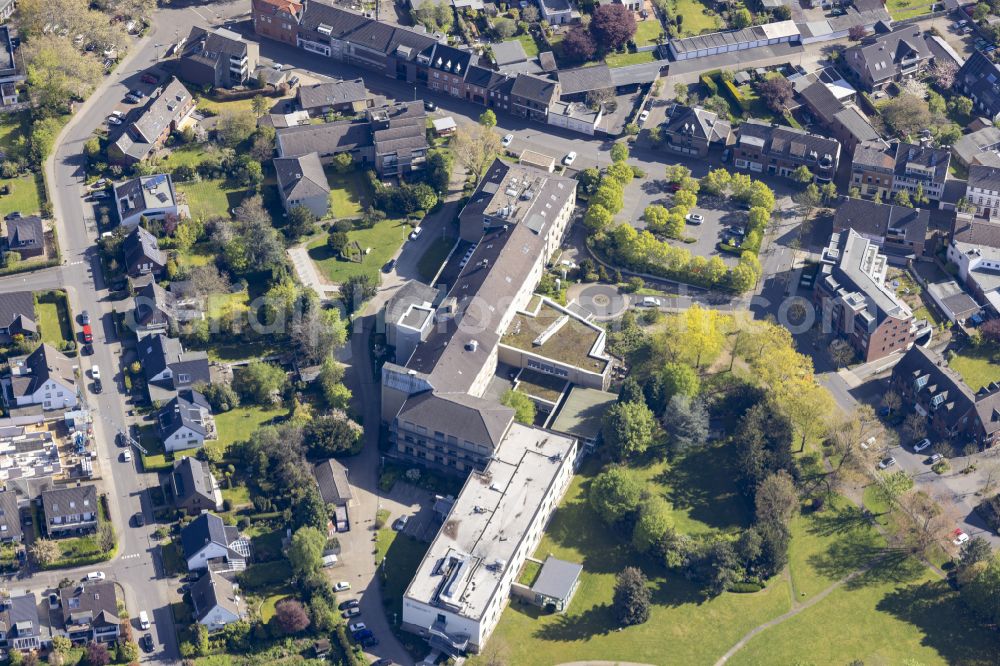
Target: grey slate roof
{"x":44,"y":363}
{"x":140,"y":246}
{"x":25,"y":232}
{"x":535,"y":88}
{"x":970,"y":145}
{"x":158,"y":352}
{"x":471,"y":418}
{"x":857,"y":124}
{"x":882,"y":56}
{"x":211,"y":590}
{"x":327,"y":138}
{"x":349,"y":26}
{"x":69,"y":501}
{"x":976,"y":231}
{"x":154,"y":304}
{"x":192,"y":477}
{"x":876,"y":219}
{"x":984,"y":177}
{"x":334,"y":486}
{"x":10,"y":517}
{"x":452,"y":60}
{"x":696,"y":121}
{"x":509,"y":52}
{"x":184,"y":411}
{"x":821,"y":99}
{"x":908,"y":153}
{"x":332,"y":93}
{"x":19,"y":617}
{"x":484,"y":77}
{"x":982,"y":78}
{"x":557,"y":578}
{"x":301,"y":177}
{"x":585,"y":79}
{"x":779,"y":140}
{"x":207,"y":528}
{"x":941,"y":380}
{"x":162,"y":111}
{"x":91,"y":604}
{"x":14,"y":304}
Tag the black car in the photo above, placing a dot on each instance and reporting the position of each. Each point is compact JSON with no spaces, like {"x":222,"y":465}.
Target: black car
{"x":120,"y":438}
{"x":147,"y":643}
{"x":98,"y":387}
{"x":430,"y":106}
{"x":350,"y":603}
{"x":137,"y":93}
{"x":139,"y":519}
{"x":389,"y":265}
{"x":370,"y":642}
{"x":383,"y":662}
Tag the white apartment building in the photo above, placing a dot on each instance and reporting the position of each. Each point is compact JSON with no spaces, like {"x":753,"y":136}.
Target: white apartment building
{"x":983,"y":190}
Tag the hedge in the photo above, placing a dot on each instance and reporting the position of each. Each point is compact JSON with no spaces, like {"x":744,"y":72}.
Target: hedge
{"x":790,"y":119}
{"x":735,"y":96}
{"x":710,"y":84}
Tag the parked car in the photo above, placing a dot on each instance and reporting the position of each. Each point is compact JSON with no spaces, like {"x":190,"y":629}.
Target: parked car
{"x":415,"y":233}
{"x":350,"y":603}
{"x":400,"y":523}
{"x":95,"y":372}
{"x":341,"y":586}
{"x":131,"y":99}
{"x":921,"y":445}
{"x":88,"y":334}
{"x":95,"y":575}
{"x":100,"y":194}
{"x":114,"y":120}
{"x":389,"y":265}
{"x":886,"y":463}
{"x":650,"y":302}
{"x":363,"y":634}
{"x":694,"y":218}
{"x":934,"y":458}
{"x":369,"y":642}
{"x":351,"y":612}
{"x":149,"y":77}
{"x":143,"y":620}
{"x":294,"y":81}
{"x":98,"y":386}
{"x":643,"y":116}
{"x":127,"y":455}
{"x":147,"y":643}
{"x":429,"y":105}
{"x":506,"y":140}
{"x":959,"y":537}
{"x":99,"y":184}
{"x":278,"y":66}
{"x":356,"y":627}
{"x":139,"y":521}
{"x":570,"y":158}
{"x":135,"y":92}
{"x":84,"y":317}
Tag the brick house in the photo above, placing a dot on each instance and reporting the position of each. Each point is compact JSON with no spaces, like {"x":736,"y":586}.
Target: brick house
{"x":277,"y":19}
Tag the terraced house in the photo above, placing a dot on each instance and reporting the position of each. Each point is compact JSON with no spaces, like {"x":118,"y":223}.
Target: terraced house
{"x":777,"y":150}
{"x":881,"y":171}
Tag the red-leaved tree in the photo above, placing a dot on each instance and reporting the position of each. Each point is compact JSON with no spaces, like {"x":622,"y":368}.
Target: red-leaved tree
{"x":291,"y":616}
{"x":613,"y":25}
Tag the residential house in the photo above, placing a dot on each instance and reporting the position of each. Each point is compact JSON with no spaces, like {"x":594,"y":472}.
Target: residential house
{"x":575,"y":116}
{"x":216,"y":601}
{"x":979,"y":80}
{"x":974,"y":247}
{"x":448,"y":66}
{"x":556,"y":12}
{"x":488,"y":87}
{"x":335,"y":489}
{"x":44,"y":377}
{"x":150,"y":197}
{"x":777,"y":150}
{"x":302,"y":182}
{"x":207,"y":542}
{"x":845,"y":122}
{"x":576,"y":84}
{"x":20,"y":629}
{"x":277,"y":19}
{"x":25,"y":235}
{"x":220,"y":58}
{"x":10,"y":518}
{"x":70,"y":509}
{"x":11,"y":66}
{"x":194,"y":487}
{"x":531,"y":96}
{"x":511,"y":58}
{"x":633,"y":5}
{"x":142,"y":254}
{"x":90,"y":612}
{"x":168,"y":368}
{"x":163,"y":114}
{"x":954,"y":412}
{"x":17,"y":315}
{"x":853,"y":299}
{"x":983,"y":190}
{"x":899,"y":231}
{"x":155,"y":311}
{"x":348,"y":97}
{"x":693,"y":130}
{"x":881,"y":171}
{"x":882,"y":59}
{"x":185,"y":422}
{"x":979,"y":147}
{"x":327,"y":140}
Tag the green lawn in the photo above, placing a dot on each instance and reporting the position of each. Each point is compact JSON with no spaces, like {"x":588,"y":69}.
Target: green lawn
{"x":199,"y":255}
{"x":267,"y":606}
{"x":211,"y":198}
{"x":648,"y":31}
{"x":12,"y":127}
{"x":430,"y":263}
{"x":349,"y":194}
{"x":236,"y":425}
{"x":54,"y":324}
{"x":24,"y":195}
{"x":189,"y":155}
{"x":904,"y":9}
{"x":529,"y":572}
{"x":976,"y":366}
{"x":529,"y":45}
{"x":384,"y":239}
{"x":623,"y":59}
{"x":238,"y":495}
{"x":696,"y":20}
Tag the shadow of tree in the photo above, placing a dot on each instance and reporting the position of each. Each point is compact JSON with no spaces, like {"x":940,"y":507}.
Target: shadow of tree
{"x":893,"y":566}
{"x":703,"y":483}
{"x":844,"y":519}
{"x":595,"y":621}
{"x":947,"y":625}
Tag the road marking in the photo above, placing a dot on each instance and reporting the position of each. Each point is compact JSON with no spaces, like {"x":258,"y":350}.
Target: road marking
{"x":131,"y":556}
{"x":198,"y":13}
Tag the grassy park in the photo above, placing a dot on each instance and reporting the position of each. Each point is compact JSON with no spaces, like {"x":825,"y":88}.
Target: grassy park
{"x":384,"y":239}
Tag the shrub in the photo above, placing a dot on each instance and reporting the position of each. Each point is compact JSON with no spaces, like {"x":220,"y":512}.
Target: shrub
{"x":709,"y":83}
{"x":735,"y":96}
{"x":746,"y":587}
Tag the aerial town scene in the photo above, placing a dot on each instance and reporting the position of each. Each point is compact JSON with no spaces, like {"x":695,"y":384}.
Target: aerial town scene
{"x":500,"y":333}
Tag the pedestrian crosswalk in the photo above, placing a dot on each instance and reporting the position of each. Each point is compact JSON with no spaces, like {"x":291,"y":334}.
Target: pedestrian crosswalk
{"x":131,"y":556}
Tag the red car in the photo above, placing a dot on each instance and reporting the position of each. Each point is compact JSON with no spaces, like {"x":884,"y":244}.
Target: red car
{"x":88,"y":334}
{"x":150,"y":78}
{"x":675,"y":187}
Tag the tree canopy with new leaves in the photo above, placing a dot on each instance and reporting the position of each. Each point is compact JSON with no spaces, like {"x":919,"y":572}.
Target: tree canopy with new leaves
{"x":615,"y":494}
{"x":628,"y":429}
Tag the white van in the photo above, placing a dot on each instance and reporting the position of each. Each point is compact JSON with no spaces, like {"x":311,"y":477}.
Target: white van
{"x":95,"y":372}
{"x":143,"y":620}
{"x":329,"y":561}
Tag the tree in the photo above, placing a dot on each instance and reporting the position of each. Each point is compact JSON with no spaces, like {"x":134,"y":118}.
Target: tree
{"x":259,"y":382}
{"x":300,"y":222}
{"x":305,"y":552}
{"x":700,"y":336}
{"x":235,"y":127}
{"x":685,"y":422}
{"x":530,"y":14}
{"x":521,"y":403}
{"x":45,"y":551}
{"x":803,"y":175}
{"x":961,"y":106}
{"x":841,"y":353}
{"x":488,"y":119}
{"x":914,"y":427}
{"x":982,"y":591}
{"x":632,"y":597}
{"x":579,"y":45}
{"x":614,"y":494}
{"x":619,"y":152}
{"x":337,"y":241}
{"x":258,"y":105}
{"x":655,"y":519}
{"x":902,"y":198}
{"x":475,"y":149}
{"x":716,"y":182}
{"x":106,"y":537}
{"x":776,"y":498}
{"x":943,"y":72}
{"x":97,"y":654}
{"x":975,"y":550}
{"x":807,"y":405}
{"x":356,"y":290}
{"x":435,"y":16}
{"x":598,"y":218}
{"x":681,"y":93}
{"x":741,"y":18}
{"x":505,"y":27}
{"x":628,"y":428}
{"x":331,"y":435}
{"x":612,"y":26}
{"x":889,"y":487}
{"x":57,"y":71}
{"x":342,"y":162}
{"x":829,"y":192}
{"x":905,"y":114}
{"x":856,"y":33}
{"x":291,"y":616}
{"x":679,"y":379}
{"x":776,"y":91}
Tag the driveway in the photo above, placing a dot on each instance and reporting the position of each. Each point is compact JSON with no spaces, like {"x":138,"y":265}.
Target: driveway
{"x":305,"y":268}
